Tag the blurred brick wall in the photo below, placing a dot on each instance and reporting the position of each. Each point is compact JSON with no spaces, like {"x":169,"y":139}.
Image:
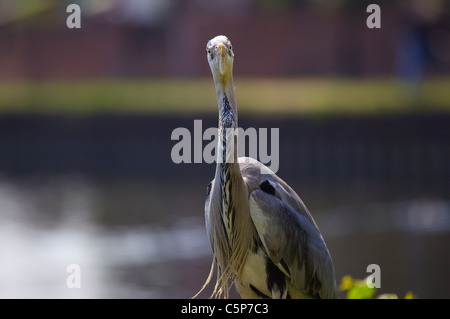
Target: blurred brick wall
{"x":298,"y":42}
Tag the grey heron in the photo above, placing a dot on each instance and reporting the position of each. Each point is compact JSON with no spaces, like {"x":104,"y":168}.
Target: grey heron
{"x":263,"y":238}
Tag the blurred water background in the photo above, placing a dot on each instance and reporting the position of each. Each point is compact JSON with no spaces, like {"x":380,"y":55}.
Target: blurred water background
{"x":86,"y":175}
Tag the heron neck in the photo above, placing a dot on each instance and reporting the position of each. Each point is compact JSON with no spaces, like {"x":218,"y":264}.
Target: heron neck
{"x":225,"y":93}
{"x":227,"y":124}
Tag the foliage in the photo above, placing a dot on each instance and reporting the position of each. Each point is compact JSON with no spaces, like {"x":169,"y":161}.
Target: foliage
{"x":322,"y":97}
{"x":358,"y":289}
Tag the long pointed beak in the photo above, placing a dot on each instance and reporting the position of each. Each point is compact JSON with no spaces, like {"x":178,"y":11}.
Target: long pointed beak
{"x":221,"y":50}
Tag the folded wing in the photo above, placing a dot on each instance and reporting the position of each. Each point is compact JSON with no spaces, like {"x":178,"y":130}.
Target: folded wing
{"x":292,"y":241}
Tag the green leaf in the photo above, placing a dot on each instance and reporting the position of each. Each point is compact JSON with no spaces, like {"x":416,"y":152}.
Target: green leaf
{"x":361,"y":291}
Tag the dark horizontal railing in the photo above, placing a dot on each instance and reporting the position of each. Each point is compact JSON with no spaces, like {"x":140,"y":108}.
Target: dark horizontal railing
{"x":399,"y":148}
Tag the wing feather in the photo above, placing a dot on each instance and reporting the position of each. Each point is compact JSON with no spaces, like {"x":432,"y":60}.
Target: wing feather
{"x":290,"y":238}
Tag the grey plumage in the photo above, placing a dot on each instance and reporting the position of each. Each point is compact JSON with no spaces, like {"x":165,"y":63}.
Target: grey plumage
{"x":263,"y":237}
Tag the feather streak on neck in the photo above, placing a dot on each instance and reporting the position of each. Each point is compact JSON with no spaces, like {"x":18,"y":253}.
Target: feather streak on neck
{"x":226,"y":99}
{"x":227,"y":133}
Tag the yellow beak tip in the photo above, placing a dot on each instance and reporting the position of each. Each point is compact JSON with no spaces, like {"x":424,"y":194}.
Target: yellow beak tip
{"x":221,"y":50}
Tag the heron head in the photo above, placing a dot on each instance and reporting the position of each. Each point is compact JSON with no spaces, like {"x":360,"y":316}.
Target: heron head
{"x":219,"y":52}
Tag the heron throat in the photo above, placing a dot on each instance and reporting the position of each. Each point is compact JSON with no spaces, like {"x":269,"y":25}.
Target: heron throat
{"x":227,"y":159}
{"x":238,"y":231}
{"x":227,"y":134}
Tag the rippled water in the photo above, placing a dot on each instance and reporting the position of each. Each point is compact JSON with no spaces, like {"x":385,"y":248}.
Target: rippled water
{"x":146,"y":239}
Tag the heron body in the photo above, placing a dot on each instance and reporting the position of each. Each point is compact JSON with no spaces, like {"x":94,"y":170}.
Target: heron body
{"x":263,"y":237}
